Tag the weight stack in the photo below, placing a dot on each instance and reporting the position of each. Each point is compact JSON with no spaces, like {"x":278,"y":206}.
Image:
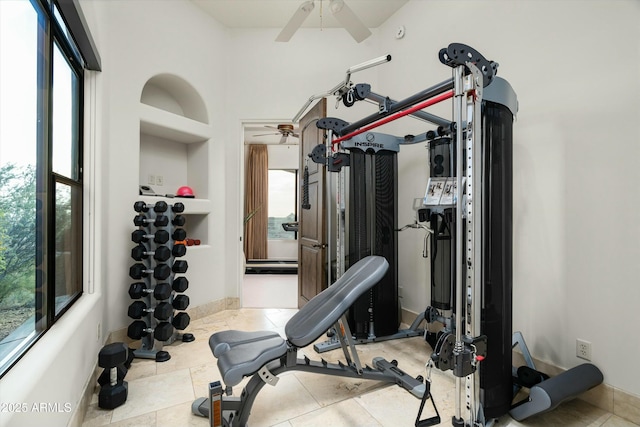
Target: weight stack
{"x":158,"y":309}
{"x":373,"y":198}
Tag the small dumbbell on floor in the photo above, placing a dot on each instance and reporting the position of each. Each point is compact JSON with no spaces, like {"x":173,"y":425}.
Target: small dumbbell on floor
{"x":138,"y":329}
{"x":113,"y":393}
{"x":161,"y":291}
{"x":162,"y":311}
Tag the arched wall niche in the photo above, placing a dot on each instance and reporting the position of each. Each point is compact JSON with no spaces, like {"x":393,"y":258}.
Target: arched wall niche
{"x":174,"y":94}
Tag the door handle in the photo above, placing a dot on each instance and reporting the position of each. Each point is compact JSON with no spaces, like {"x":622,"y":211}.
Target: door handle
{"x":321,"y":246}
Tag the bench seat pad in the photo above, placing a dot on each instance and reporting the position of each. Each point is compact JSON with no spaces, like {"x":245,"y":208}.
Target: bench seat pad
{"x":241,"y":353}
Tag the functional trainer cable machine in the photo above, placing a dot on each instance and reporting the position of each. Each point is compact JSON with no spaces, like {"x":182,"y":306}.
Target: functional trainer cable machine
{"x":477,"y":345}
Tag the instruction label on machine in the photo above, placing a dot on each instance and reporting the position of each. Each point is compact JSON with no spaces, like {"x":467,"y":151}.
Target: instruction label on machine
{"x":441,"y":192}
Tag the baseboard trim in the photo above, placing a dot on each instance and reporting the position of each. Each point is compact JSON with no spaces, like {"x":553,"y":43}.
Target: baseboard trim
{"x":606,"y":397}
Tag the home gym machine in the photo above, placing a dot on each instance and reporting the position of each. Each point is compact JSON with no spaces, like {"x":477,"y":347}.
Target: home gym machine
{"x":472,"y":158}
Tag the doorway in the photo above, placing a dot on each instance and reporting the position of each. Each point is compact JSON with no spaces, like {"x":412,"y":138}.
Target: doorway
{"x":270,"y":274}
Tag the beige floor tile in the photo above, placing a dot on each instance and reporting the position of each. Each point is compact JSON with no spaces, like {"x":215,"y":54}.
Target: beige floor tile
{"x":616,"y":421}
{"x":145,"y":420}
{"x":287,"y":400}
{"x":153,"y":393}
{"x":343,"y":414}
{"x":141,"y":368}
{"x":391,"y":406}
{"x":180,"y":416}
{"x":626,"y":406}
{"x":575,"y":413}
{"x":328,"y":389}
{"x":96,"y":416}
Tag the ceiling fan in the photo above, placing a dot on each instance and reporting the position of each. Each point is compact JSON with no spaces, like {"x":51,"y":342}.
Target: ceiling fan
{"x":343,"y":14}
{"x":286,"y":130}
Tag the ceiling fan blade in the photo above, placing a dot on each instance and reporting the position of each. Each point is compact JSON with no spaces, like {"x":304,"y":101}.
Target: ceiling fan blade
{"x":268,"y":134}
{"x":295,"y":135}
{"x":295,"y":22}
{"x":349,"y":20}
{"x":283,"y":139}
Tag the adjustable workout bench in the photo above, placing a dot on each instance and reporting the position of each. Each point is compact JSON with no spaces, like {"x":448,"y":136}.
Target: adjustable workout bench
{"x":264,"y":354}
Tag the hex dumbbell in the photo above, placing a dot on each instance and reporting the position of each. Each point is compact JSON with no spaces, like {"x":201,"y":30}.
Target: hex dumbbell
{"x":178,"y":207}
{"x":178,"y":221}
{"x":180,"y":266}
{"x":160,"y":236}
{"x":114,"y":390}
{"x":162,"y":311}
{"x":141,"y":220}
{"x":180,"y":302}
{"x":162,"y":332}
{"x":144,"y":207}
{"x":160,"y":272}
{"x":179,"y":234}
{"x":178,"y":250}
{"x":161,"y":253}
{"x":181,"y":321}
{"x":180,"y":284}
{"x":161,"y":291}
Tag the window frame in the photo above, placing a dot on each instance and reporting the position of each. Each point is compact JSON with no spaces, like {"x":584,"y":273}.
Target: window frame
{"x":296,"y":174}
{"x":50,"y":33}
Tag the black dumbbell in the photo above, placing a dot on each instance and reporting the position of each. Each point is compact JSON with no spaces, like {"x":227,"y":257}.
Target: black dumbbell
{"x":181,"y":321}
{"x":113,"y":392}
{"x":180,"y":302}
{"x":180,"y":266}
{"x":160,"y":236}
{"x":178,"y":207}
{"x":162,"y":311}
{"x":179,"y":235}
{"x":161,"y":253}
{"x":178,"y":250}
{"x":161,"y":291}
{"x":180,"y":284}
{"x":144,"y":207}
{"x":138,"y":329}
{"x":142,"y":221}
{"x":178,"y":221}
{"x":160,"y":272}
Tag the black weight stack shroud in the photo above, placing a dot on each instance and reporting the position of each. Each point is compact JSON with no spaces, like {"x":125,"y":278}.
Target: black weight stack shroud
{"x":373,"y":221}
{"x":496,"y":389}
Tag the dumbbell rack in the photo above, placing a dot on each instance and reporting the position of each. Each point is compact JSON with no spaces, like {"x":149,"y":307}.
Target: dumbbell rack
{"x":158,"y":291}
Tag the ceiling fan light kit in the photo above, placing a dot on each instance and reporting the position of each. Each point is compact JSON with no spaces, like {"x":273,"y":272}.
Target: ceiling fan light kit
{"x":340,"y":10}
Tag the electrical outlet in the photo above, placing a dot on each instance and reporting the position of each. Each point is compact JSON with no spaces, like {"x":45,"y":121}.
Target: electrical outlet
{"x":583,"y":349}
{"x":160,"y":180}
{"x":151,"y":180}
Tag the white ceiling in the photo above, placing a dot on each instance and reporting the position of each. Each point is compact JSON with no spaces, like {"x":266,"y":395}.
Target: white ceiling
{"x":276,"y":13}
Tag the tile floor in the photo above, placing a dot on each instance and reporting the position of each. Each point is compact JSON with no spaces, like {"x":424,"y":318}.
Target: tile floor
{"x":160,"y":394}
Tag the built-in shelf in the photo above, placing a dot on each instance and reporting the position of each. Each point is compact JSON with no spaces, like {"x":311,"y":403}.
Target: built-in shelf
{"x":191,"y":206}
{"x":169,"y":126}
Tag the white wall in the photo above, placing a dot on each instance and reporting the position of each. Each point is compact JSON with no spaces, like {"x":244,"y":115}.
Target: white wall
{"x":575,"y":68}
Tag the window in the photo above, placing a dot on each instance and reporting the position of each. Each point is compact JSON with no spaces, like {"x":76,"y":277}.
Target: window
{"x":40,"y":173}
{"x":282,"y":203}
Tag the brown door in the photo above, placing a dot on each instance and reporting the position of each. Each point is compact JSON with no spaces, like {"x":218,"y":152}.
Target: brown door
{"x":312,"y":261}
